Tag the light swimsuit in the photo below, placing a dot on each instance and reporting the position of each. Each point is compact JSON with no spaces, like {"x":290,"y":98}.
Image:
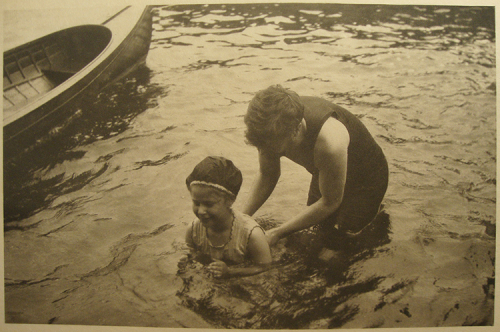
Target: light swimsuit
{"x":232,"y":252}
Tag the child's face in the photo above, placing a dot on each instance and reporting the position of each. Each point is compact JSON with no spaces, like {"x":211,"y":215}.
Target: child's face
{"x":210,"y":206}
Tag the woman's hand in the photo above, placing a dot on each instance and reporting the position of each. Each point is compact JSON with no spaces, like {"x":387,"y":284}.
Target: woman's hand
{"x":272,"y":236}
{"x":218,"y":269}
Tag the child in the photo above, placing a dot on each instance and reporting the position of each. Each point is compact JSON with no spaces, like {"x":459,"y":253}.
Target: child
{"x":225,"y":236}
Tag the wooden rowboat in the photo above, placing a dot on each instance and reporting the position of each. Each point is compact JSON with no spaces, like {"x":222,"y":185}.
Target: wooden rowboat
{"x":44,"y":76}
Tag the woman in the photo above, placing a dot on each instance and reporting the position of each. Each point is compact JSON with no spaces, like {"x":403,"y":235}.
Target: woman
{"x":349,"y":170}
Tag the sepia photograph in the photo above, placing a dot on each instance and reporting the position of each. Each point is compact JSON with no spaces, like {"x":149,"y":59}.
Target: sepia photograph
{"x":286,"y":165}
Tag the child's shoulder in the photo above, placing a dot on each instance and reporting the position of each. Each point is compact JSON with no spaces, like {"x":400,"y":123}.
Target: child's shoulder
{"x":245,"y":219}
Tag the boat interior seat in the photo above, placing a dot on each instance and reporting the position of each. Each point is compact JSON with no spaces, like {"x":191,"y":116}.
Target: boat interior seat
{"x":57,"y":76}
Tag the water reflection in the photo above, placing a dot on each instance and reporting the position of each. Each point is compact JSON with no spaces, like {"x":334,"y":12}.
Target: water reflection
{"x":420,"y":77}
{"x":309,"y":284}
{"x":399,"y":26}
{"x":27,"y":190}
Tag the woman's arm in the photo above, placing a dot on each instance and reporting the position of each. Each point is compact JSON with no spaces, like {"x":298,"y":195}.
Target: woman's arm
{"x":265,"y":182}
{"x":330,"y":154}
{"x":259,"y":253}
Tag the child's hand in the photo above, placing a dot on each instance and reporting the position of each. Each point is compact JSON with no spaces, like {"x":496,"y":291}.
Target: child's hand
{"x":218,"y":269}
{"x":182,"y":264}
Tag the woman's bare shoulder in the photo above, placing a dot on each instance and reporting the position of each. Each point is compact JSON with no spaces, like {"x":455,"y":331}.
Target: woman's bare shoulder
{"x":333,"y":136}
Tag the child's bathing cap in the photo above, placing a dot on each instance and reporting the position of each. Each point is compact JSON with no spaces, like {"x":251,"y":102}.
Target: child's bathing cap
{"x":217,"y":172}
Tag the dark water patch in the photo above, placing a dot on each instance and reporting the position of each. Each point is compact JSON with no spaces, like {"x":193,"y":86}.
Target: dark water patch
{"x":68,"y":207}
{"x":355,"y":248}
{"x":56,"y":229}
{"x":467,"y":190}
{"x":23,"y":283}
{"x":76,"y":182}
{"x":204,"y":64}
{"x":354,"y":59}
{"x":168,"y":129}
{"x":345,"y":97}
{"x":399,"y":140}
{"x":122,"y":251}
{"x":274,"y":300}
{"x":306,"y":285}
{"x":487,"y":321}
{"x":454,"y":170}
{"x":227,"y":130}
{"x":418,"y":124}
{"x":96,"y":117}
{"x":112,"y":112}
{"x":355,"y":283}
{"x":176,"y":43}
{"x":299,"y":312}
{"x":25,"y":194}
{"x":458,"y":160}
{"x":405,"y":311}
{"x":103,"y":219}
{"x":14,"y":226}
{"x":20,"y":203}
{"x":307,"y":78}
{"x":489,"y":288}
{"x":407,"y":170}
{"x":27,"y":199}
{"x":353,"y":98}
{"x":116,"y":187}
{"x":489,"y":223}
{"x":169,"y":157}
{"x":399,"y":287}
{"x":413,"y":26}
{"x":106,"y":116}
{"x":120,"y":258}
{"x":455,"y":307}
{"x":428,"y":141}
{"x":129,"y":137}
{"x":21,"y":169}
{"x":109,"y":156}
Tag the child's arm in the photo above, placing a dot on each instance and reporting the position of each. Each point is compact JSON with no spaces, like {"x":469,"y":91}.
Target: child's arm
{"x":190,"y":246}
{"x":189,"y":238}
{"x":259,"y":253}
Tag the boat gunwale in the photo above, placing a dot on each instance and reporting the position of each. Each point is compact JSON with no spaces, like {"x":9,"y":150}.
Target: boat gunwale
{"x":29,"y":47}
{"x":113,"y":45}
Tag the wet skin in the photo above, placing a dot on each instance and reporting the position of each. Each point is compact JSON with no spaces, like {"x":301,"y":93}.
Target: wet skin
{"x":213,"y":209}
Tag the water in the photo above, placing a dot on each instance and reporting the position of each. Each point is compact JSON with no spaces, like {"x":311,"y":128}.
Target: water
{"x":95,"y":216}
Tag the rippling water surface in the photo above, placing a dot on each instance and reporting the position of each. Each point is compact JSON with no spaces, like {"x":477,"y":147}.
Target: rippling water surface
{"x":95,"y":215}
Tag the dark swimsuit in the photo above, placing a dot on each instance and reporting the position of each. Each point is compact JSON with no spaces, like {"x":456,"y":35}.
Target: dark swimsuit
{"x":367,"y":169}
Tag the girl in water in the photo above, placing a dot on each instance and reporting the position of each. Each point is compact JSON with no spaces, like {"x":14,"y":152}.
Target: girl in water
{"x":220,"y":234}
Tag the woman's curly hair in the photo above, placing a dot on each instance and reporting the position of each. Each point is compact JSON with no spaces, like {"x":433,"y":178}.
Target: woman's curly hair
{"x":273,"y":115}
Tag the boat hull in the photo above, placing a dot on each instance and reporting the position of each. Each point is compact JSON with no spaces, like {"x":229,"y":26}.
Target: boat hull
{"x":42,"y":118}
